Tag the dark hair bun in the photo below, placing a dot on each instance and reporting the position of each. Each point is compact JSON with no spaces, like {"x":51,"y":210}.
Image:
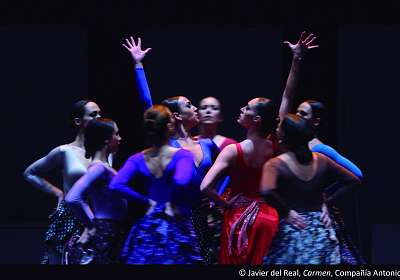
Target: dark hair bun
{"x":97,"y":132}
{"x":297,"y":133}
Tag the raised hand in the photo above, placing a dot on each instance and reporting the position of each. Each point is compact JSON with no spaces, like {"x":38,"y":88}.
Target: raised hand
{"x":303,"y":45}
{"x":136,"y":50}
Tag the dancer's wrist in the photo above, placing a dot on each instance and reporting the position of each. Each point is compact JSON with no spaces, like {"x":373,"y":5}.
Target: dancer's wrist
{"x":138,"y":65}
{"x":298,"y":57}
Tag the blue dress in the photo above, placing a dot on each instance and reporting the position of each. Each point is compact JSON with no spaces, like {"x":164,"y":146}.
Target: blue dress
{"x":209,"y":234}
{"x":166,"y":234}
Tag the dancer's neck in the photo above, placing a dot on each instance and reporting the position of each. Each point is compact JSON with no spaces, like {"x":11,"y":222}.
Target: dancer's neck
{"x":255,"y":135}
{"x":79,"y":140}
{"x":156,"y":150}
{"x":181,"y":132}
{"x":101,"y":155}
{"x":208,"y":130}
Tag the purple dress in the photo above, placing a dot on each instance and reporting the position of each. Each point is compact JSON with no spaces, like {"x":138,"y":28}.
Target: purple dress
{"x":165,"y":235}
{"x":94,"y":204}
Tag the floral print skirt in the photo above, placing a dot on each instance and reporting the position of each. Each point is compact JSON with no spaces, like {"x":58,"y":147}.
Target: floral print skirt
{"x":162,"y":238}
{"x":103,"y":248}
{"x":315,"y":244}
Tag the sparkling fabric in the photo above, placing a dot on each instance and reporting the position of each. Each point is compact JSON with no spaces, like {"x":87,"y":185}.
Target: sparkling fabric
{"x":103,"y":248}
{"x":63,"y":225}
{"x":248,"y":230}
{"x":315,"y":244}
{"x":349,"y":253}
{"x":162,"y":238}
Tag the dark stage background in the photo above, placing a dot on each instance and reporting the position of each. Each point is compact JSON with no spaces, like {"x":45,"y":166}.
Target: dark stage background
{"x":54,"y":54}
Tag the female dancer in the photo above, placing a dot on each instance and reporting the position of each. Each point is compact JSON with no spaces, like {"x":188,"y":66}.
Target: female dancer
{"x":209,"y":108}
{"x":210,"y":117}
{"x":250,"y":224}
{"x":293,"y":182}
{"x":70,"y":160}
{"x":313,"y":112}
{"x":100,"y":211}
{"x":161,"y":176}
{"x":204,"y":150}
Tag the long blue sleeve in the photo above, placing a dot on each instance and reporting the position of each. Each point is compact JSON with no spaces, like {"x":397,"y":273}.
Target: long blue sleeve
{"x":223,"y":182}
{"x":143,"y":87}
{"x":222,"y":185}
{"x":121,"y":182}
{"x":339,"y":159}
{"x":76,"y":198}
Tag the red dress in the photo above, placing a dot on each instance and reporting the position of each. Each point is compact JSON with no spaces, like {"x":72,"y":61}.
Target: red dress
{"x":227,"y":142}
{"x":250,"y":225}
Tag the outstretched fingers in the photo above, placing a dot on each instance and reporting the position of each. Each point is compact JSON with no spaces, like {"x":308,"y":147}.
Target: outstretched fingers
{"x":290,"y":45}
{"x":310,"y":41}
{"x":133,"y":41}
{"x":128,"y":43}
{"x":126,"y":47}
{"x":301,"y":39}
{"x":308,"y":38}
{"x":147,"y":50}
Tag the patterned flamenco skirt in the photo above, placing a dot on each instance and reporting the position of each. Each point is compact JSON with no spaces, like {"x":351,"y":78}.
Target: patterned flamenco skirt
{"x":63,"y":225}
{"x":314,"y":244}
{"x":162,"y":238}
{"x":349,"y":253}
{"x":103,"y":248}
{"x":247,"y":232}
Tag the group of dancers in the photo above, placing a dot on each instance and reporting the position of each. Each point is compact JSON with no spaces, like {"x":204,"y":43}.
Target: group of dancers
{"x":208,"y":198}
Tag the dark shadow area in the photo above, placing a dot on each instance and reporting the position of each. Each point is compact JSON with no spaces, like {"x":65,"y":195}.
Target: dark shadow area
{"x":52,"y":54}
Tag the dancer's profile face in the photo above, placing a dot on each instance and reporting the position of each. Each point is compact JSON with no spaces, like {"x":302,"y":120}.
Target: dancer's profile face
{"x":248,"y":113}
{"x":188,"y":112}
{"x":305,"y":111}
{"x":210,"y":110}
{"x":115,"y":140}
{"x":92,"y":111}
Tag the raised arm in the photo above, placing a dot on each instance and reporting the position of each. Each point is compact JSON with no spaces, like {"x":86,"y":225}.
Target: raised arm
{"x":121,"y":182}
{"x":76,"y":198}
{"x":34,"y":173}
{"x":138,"y":55}
{"x":299,"y":50}
{"x":338,"y":158}
{"x":224,"y":161}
